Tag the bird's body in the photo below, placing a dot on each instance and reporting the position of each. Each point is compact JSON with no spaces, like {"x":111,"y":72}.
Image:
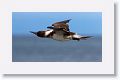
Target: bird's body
{"x":60,"y":35}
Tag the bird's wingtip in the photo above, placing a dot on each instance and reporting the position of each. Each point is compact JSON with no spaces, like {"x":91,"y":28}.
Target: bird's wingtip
{"x":85,"y":37}
{"x":33,"y":32}
{"x":89,"y":36}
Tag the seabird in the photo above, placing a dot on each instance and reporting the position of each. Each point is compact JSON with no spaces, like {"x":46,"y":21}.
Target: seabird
{"x":60,"y":31}
{"x":60,"y":35}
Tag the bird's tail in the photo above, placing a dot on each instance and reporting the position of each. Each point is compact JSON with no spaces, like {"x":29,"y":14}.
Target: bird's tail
{"x":33,"y":32}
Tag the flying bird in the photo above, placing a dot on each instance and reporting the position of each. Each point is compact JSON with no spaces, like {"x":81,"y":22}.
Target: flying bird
{"x":60,"y":31}
{"x":60,"y":35}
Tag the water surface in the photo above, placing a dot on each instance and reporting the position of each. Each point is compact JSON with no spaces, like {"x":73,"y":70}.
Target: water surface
{"x":34,"y":49}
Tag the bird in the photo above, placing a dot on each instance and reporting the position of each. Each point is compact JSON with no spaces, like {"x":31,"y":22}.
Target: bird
{"x":60,"y":35}
{"x":60,"y":25}
{"x":60,"y":31}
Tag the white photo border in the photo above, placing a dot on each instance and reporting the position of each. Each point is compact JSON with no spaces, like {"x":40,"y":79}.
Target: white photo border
{"x":104,"y":67}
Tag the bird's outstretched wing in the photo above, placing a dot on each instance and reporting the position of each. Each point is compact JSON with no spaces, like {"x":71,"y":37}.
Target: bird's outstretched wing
{"x":61,"y":25}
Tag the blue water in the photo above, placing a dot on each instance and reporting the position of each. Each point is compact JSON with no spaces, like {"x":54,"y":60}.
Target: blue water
{"x":34,"y":49}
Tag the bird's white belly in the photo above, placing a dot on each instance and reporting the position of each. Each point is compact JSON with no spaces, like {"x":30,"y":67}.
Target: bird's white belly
{"x":59,"y":37}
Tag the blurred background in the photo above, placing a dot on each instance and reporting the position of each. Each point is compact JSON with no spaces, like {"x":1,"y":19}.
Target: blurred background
{"x":26,"y":47}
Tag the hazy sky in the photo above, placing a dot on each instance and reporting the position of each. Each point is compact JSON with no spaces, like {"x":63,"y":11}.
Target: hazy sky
{"x":82,"y":22}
